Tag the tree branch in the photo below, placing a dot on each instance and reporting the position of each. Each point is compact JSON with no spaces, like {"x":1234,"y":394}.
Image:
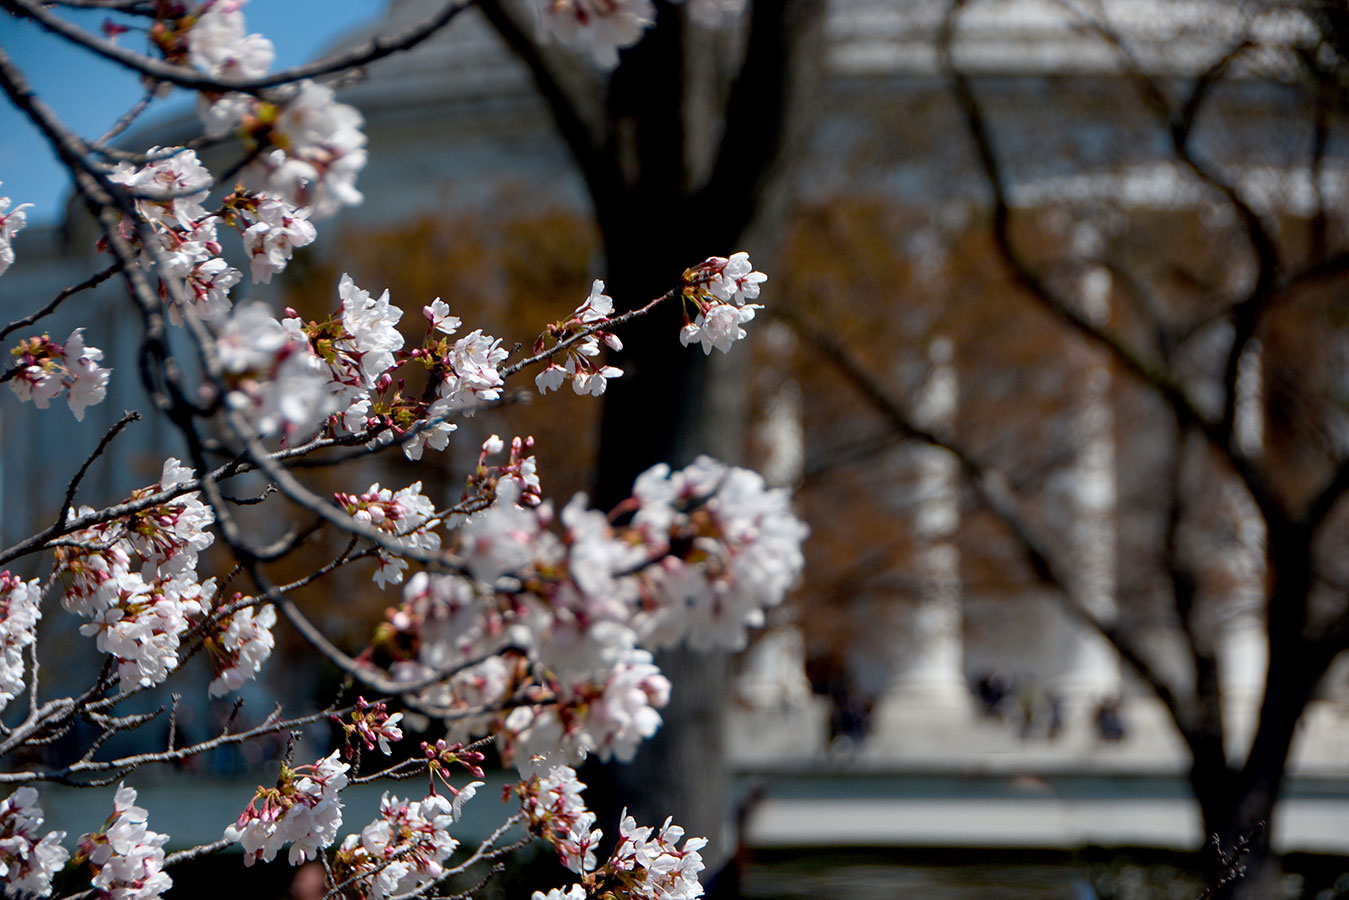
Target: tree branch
{"x":991,"y":486}
{"x":1154,"y":376}
{"x":181,"y":76}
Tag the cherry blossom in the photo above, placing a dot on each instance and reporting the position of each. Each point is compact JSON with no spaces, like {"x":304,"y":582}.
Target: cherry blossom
{"x":575,"y":892}
{"x":372,"y":725}
{"x":646,"y":863}
{"x":20,"y":611}
{"x":142,"y":624}
{"x":587,"y":377}
{"x":406,"y":846}
{"x":27,"y":861}
{"x":438,"y":317}
{"x":650,"y":864}
{"x":608,"y":718}
{"x":271,"y":240}
{"x":551,"y":378}
{"x":323,"y":150}
{"x":599,"y":27}
{"x":219,"y":46}
{"x":554,"y":811}
{"x":127,"y":858}
{"x":533,"y":627}
{"x":241,"y":643}
{"x":406,"y":516}
{"x":738,"y":282}
{"x":717,"y":289}
{"x":46,"y":369}
{"x":169,"y":190}
{"x":469,"y":374}
{"x":303,"y":810}
{"x":276,"y":380}
{"x":10,"y":223}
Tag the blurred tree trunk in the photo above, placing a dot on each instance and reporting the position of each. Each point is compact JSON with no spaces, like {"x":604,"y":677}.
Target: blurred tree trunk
{"x":682,"y":149}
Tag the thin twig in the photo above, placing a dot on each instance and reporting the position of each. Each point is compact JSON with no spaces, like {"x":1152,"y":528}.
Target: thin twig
{"x":91,"y":282}
{"x":375,"y":49}
{"x":108,"y":437}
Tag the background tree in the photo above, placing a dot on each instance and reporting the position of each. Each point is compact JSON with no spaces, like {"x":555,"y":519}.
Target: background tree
{"x":683,"y":144}
{"x":1241,"y":285}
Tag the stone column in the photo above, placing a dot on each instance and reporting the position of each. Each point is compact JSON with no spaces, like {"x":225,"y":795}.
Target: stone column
{"x":1243,"y":652}
{"x":933,"y":666}
{"x":1093,"y":668}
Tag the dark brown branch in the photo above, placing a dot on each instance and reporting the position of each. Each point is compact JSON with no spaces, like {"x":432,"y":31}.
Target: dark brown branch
{"x":91,"y":282}
{"x":783,"y":55}
{"x":1152,"y":375}
{"x":127,"y":419}
{"x":565,"y":104}
{"x":991,"y":486}
{"x":1179,"y":123}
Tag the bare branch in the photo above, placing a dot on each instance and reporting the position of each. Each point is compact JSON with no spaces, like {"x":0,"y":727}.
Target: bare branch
{"x":565,"y":103}
{"x":127,"y":419}
{"x":992,"y":487}
{"x":1150,"y":374}
{"x":375,"y":49}
{"x":91,"y":282}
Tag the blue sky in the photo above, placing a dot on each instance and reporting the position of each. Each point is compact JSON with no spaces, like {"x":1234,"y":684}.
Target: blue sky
{"x":90,"y":94}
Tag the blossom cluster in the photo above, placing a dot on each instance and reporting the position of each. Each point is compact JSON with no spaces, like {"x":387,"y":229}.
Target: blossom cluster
{"x":555,"y":811}
{"x":521,"y":470}
{"x":646,"y":863}
{"x":20,"y":610}
{"x":558,"y":623}
{"x":717,"y":289}
{"x":536,"y":627}
{"x":135,"y":579}
{"x":371,"y":725}
{"x":28,"y":859}
{"x":343,"y":373}
{"x":171,"y":190}
{"x":586,"y":376}
{"x":319,"y":144}
{"x":406,"y":516}
{"x":239,"y":644}
{"x":306,"y":150}
{"x":126,"y":857}
{"x":406,"y":847}
{"x":44,"y":370}
{"x":302,"y":810}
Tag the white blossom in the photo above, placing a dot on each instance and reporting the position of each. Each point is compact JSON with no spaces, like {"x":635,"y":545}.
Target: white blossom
{"x":719,"y":327}
{"x":324,"y":150}
{"x":439,"y":318}
{"x":406,"y":847}
{"x":173,"y":187}
{"x":406,"y":517}
{"x":370,"y":327}
{"x":599,"y":27}
{"x":10,"y":223}
{"x":241,"y":647}
{"x":20,"y":611}
{"x":272,"y":239}
{"x":303,"y":810}
{"x":219,"y":46}
{"x":658,"y":868}
{"x":575,"y":892}
{"x":27,"y":861}
{"x":127,"y":857}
